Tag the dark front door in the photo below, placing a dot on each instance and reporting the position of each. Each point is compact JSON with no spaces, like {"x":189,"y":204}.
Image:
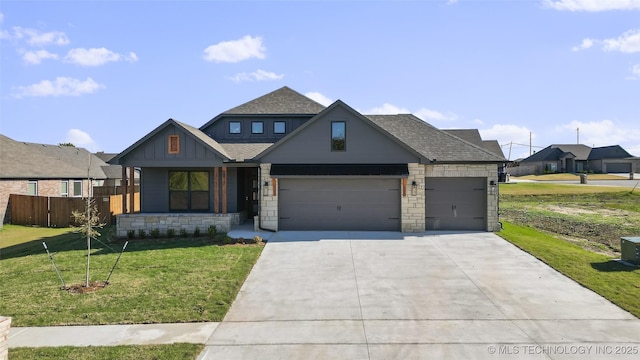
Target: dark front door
{"x":247,"y":191}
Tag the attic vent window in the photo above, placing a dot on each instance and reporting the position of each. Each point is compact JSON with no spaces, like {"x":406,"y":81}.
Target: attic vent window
{"x":174,"y":144}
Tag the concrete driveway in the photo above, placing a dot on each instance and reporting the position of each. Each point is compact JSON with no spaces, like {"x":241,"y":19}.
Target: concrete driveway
{"x":346,"y":295}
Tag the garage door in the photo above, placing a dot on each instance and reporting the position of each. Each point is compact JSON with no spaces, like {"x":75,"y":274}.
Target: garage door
{"x":455,"y":203}
{"x":339,"y":204}
{"x":624,"y":168}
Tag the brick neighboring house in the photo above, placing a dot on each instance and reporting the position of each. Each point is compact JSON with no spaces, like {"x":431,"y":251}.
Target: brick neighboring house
{"x":45,"y":170}
{"x":290,"y":163}
{"x":574,"y":158}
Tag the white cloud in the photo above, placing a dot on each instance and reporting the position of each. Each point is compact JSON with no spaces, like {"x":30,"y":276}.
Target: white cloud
{"x":80,"y":138}
{"x":433,"y":115}
{"x":235,"y":50}
{"x":599,"y":133}
{"x":319,"y":98}
{"x":478,"y":121}
{"x":61,"y":86}
{"x":96,"y":56}
{"x":258,"y":75}
{"x":586,"y":43}
{"x":517,"y":136}
{"x":35,"y":37}
{"x":629,"y":42}
{"x":592,"y":5}
{"x":387,"y":109}
{"x":36,"y":57}
{"x":451,"y":2}
{"x":635,"y":71}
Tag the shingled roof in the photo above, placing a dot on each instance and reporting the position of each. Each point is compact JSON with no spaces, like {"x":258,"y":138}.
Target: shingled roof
{"x":432,"y":143}
{"x":608,"y":152}
{"x":556,"y":151}
{"x":23,"y":160}
{"x":281,"y":101}
{"x":473,"y":136}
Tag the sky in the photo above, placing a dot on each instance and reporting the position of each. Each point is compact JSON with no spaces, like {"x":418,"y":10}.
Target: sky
{"x":103,"y":74}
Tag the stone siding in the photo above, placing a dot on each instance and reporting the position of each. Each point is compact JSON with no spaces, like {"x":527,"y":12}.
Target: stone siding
{"x":488,"y":171}
{"x":412,"y":206}
{"x":163,"y":222}
{"x":268,"y":201}
{"x":5,"y":325}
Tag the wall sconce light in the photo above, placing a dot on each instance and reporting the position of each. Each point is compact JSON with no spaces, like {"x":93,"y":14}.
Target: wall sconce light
{"x":265,"y":188}
{"x":492,"y":187}
{"x":414,"y":188}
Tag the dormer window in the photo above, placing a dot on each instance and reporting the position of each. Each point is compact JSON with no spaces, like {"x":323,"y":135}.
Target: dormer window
{"x":257,"y":127}
{"x":279,"y":127}
{"x":235,"y":127}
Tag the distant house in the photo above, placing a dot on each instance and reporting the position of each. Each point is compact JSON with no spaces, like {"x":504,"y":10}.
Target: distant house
{"x":46,"y":170}
{"x":291,"y":163}
{"x":573,"y":158}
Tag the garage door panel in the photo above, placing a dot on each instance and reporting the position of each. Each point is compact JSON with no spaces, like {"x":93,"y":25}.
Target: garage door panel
{"x":339,"y":204}
{"x":455,"y":203}
{"x":618,"y":167}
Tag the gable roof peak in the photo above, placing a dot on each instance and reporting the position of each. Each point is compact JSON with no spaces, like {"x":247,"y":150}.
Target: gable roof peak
{"x":281,"y":101}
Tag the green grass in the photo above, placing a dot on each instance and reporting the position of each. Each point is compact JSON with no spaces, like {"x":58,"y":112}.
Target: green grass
{"x":12,"y":235}
{"x":128,"y":352}
{"x":556,"y":189}
{"x":570,"y":177}
{"x":614,"y":281}
{"x":156,"y":280}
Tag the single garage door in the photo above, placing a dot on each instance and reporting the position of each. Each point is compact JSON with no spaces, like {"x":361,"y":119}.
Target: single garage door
{"x":455,"y":203}
{"x":339,"y":204}
{"x":623,"y":168}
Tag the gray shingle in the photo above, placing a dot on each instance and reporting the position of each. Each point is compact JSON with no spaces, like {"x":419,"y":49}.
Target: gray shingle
{"x":244,"y":151}
{"x":22,"y":160}
{"x":430,"y":142}
{"x":281,"y":101}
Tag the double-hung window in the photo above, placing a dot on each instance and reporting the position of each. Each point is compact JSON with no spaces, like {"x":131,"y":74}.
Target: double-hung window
{"x":188,"y":190}
{"x":64,"y":188}
{"x":77,"y":188}
{"x":32,"y":187}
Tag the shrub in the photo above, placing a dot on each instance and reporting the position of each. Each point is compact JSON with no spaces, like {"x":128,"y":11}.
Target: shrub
{"x":155,"y":233}
{"x":183,"y":233}
{"x":257,"y":239}
{"x":196,"y":232}
{"x":142,"y":234}
{"x":131,"y":234}
{"x":171,"y":233}
{"x":212,"y":231}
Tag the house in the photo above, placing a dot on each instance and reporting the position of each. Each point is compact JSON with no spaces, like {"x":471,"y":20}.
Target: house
{"x":46,"y":170}
{"x":290,"y":163}
{"x":572,"y":158}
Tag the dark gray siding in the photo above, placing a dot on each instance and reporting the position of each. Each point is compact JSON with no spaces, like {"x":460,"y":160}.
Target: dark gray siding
{"x":364,"y":144}
{"x":154,"y":152}
{"x":219,"y":130}
{"x":155,"y":189}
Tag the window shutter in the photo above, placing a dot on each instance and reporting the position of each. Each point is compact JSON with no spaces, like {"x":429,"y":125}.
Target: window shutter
{"x":174,"y":144}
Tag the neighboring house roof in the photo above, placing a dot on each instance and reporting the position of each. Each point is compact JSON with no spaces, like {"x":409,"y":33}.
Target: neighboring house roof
{"x":23,"y":160}
{"x":281,"y":101}
{"x":432,"y":143}
{"x":557,"y":151}
{"x":608,"y":152}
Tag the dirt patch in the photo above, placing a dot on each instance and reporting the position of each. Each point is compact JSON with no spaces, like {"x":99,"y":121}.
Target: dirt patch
{"x":571,"y":210}
{"x":82,"y":289}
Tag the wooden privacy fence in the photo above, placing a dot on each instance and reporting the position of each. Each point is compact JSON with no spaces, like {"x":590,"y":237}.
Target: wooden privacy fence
{"x":56,"y":211}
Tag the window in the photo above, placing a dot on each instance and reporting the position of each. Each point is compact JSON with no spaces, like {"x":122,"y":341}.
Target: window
{"x":279,"y":127}
{"x":338,"y":136}
{"x":77,"y":188}
{"x":188,"y":190}
{"x":257,"y":127}
{"x":64,"y":188}
{"x":235,"y":127}
{"x":32,"y":188}
{"x":174,"y":144}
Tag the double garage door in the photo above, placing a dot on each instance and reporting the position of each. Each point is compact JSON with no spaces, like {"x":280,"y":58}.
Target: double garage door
{"x":339,"y":204}
{"x":455,"y":203}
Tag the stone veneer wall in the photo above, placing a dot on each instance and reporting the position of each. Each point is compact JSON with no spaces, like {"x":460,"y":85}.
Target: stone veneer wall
{"x":176,"y":221}
{"x":5,"y":325}
{"x":412,"y":206}
{"x":268,"y":202}
{"x":489,"y":171}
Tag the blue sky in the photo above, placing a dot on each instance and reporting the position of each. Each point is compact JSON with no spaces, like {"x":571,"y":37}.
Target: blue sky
{"x":103,"y":74}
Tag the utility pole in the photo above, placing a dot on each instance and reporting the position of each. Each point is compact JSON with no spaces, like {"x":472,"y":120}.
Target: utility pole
{"x":578,"y":136}
{"x":530,"y":151}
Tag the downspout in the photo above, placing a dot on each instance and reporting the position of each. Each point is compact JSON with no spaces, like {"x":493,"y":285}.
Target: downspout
{"x":260,"y":196}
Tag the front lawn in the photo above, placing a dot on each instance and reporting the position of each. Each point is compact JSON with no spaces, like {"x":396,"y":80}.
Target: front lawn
{"x":618,"y":283}
{"x":131,"y":352}
{"x":156,"y":280}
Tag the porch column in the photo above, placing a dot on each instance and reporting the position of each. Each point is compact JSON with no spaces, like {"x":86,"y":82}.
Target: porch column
{"x":123,"y":189}
{"x":216,"y":191}
{"x":224,"y":189}
{"x":132,"y":178}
